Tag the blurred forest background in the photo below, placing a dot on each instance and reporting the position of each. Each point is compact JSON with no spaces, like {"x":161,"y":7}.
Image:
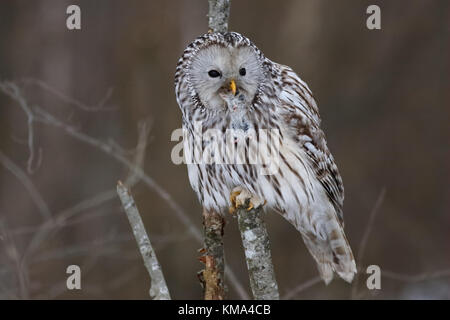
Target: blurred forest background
{"x":384,"y":101}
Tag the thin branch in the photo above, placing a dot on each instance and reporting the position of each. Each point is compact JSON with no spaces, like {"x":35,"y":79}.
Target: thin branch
{"x":255,"y":240}
{"x":108,"y":245}
{"x":232,"y":278}
{"x":373,"y":213}
{"x":10,"y":248}
{"x":158,"y":289}
{"x":11,"y":90}
{"x":74,"y":210}
{"x":28,"y":184}
{"x":365,"y":239}
{"x":416,"y":278}
{"x":302,"y":287}
{"x":100,"y":106}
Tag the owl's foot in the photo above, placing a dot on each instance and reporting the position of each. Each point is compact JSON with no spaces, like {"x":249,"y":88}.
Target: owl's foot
{"x":241,"y":197}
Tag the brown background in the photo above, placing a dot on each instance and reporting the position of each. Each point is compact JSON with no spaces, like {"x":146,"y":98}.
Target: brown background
{"x":383,"y":97}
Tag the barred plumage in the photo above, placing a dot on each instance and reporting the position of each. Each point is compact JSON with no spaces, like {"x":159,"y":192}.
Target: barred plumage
{"x":307,"y":188}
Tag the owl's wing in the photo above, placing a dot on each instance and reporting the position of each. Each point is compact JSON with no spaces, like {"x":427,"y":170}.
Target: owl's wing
{"x":300,"y":112}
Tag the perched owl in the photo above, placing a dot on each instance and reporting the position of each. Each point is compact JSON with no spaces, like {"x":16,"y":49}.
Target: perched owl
{"x":306,"y":189}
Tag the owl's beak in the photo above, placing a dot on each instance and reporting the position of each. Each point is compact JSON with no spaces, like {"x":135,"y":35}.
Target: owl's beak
{"x":233,"y":86}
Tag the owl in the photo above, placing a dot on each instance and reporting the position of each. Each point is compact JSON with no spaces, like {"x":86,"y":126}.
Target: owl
{"x":223,"y":82}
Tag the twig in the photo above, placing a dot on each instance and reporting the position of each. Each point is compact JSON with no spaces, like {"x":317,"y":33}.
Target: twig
{"x":10,"y":248}
{"x":255,"y":240}
{"x":415,"y":278}
{"x":13,"y":92}
{"x":232,"y":278}
{"x":100,"y":106}
{"x":365,"y":239}
{"x":28,"y":184}
{"x":158,"y":289}
{"x":302,"y":287}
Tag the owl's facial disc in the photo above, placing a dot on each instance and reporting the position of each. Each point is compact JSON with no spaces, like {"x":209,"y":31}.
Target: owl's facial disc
{"x":216,"y":70}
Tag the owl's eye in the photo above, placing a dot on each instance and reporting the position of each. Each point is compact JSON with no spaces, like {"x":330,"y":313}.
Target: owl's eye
{"x":214,"y":73}
{"x":242,"y":71}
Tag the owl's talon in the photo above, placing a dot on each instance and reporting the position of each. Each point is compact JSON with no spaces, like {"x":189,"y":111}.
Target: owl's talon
{"x":241,"y":197}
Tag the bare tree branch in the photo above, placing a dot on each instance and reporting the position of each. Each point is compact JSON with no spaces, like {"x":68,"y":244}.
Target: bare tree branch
{"x":158,"y":289}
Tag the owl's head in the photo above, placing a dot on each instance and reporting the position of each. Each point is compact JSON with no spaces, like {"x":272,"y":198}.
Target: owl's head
{"x":219,"y":64}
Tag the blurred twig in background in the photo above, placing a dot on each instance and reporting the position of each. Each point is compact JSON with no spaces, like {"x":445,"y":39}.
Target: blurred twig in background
{"x":364,"y":241}
{"x":13,"y":91}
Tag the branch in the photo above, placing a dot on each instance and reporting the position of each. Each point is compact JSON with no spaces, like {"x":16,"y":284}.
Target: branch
{"x":219,"y":11}
{"x":212,"y":277}
{"x":255,"y":240}
{"x":158,"y":289}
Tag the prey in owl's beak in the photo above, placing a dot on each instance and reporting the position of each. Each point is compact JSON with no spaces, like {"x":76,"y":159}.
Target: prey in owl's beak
{"x":232,"y":87}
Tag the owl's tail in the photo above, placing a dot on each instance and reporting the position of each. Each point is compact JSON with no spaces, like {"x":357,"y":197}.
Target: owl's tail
{"x":333,"y":253}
